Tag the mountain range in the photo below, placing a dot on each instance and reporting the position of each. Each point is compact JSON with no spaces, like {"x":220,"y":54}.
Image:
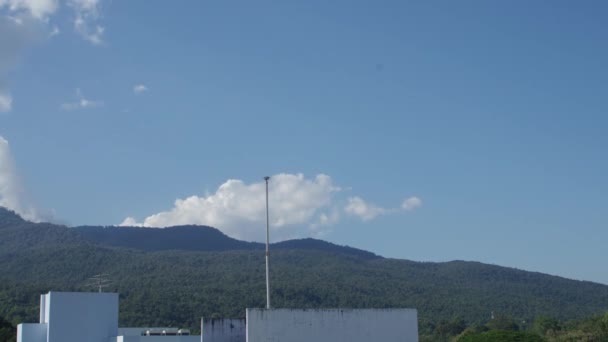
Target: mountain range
{"x":175,"y":275}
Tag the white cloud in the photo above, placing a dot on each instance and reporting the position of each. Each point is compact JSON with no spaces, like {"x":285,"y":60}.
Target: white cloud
{"x":16,"y":35}
{"x":298,"y":206}
{"x":86,"y":20}
{"x":11,"y":193}
{"x":412,"y":203}
{"x":130,"y":222}
{"x":238,"y":209}
{"x":39,"y":9}
{"x":82,"y":103}
{"x":324,"y":222}
{"x":24,"y":23}
{"x":358,"y":207}
{"x":86,"y":15}
{"x":6,"y":102}
{"x":327,"y":219}
{"x":140,"y":88}
{"x":8,"y":184}
{"x":86,"y":6}
{"x":93,"y":35}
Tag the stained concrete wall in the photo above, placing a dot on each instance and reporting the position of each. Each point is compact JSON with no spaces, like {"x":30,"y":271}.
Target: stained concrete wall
{"x":31,"y":332}
{"x":332,"y":325}
{"x":223,"y":330}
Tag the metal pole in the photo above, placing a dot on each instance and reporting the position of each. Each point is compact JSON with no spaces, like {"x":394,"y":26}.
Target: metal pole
{"x":267,"y":253}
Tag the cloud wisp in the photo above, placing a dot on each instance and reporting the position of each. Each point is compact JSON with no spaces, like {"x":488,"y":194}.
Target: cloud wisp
{"x":87,"y":14}
{"x":412,"y":203}
{"x":86,"y":23}
{"x":82,"y":103}
{"x":16,"y":36}
{"x":300,"y":206}
{"x":140,"y":89}
{"x":358,"y":207}
{"x":26,"y":23}
{"x":11,"y":192}
{"x":6,"y":102}
{"x":39,"y":9}
{"x":54,"y":32}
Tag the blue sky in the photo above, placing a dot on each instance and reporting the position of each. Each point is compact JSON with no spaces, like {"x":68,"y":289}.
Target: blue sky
{"x":491,"y":116}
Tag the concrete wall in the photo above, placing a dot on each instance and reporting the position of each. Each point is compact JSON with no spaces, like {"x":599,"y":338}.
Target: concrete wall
{"x":46,"y":313}
{"x":43,"y":309}
{"x":192,"y":338}
{"x":31,"y":332}
{"x":332,"y":325}
{"x":131,"y":331}
{"x":126,"y":339}
{"x":78,"y":316}
{"x":223,"y":330}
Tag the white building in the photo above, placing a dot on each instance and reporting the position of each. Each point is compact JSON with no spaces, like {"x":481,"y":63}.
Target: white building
{"x":93,"y":317}
{"x":89,"y":317}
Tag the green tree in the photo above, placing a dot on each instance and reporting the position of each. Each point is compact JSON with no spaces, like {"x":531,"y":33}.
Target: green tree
{"x":451,"y":328}
{"x":544,"y":324}
{"x":500,"y":336}
{"x":503,"y":323}
{"x":8,"y":332}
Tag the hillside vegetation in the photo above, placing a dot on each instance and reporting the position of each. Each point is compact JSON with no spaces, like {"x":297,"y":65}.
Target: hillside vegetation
{"x":223,"y":276}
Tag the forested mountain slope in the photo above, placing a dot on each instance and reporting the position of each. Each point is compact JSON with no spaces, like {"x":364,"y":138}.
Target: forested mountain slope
{"x":177,"y":287}
{"x":197,"y":238}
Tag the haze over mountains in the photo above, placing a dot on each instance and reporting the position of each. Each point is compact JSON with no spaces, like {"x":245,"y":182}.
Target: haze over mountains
{"x":176,"y":275}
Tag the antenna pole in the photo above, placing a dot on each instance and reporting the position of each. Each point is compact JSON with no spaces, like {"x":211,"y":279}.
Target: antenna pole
{"x":267,"y":253}
{"x":99,"y":281}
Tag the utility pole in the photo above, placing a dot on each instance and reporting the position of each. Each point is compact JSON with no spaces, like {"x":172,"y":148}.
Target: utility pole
{"x":267,"y":245}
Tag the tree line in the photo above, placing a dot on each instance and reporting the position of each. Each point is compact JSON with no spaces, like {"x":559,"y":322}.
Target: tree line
{"x":505,"y":328}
